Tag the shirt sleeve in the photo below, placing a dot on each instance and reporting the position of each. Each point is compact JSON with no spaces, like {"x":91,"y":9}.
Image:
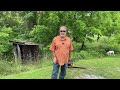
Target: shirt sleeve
{"x":52,"y":46}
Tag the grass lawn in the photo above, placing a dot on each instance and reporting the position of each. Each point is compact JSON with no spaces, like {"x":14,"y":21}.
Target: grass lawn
{"x":103,"y":68}
{"x":106,"y":68}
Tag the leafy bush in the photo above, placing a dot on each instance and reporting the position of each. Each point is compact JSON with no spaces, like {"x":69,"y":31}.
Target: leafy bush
{"x":86,"y":54}
{"x":5,"y":36}
{"x":76,"y":46}
{"x":103,"y":46}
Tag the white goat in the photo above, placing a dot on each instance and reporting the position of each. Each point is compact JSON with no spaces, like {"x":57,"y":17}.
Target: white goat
{"x":109,"y":53}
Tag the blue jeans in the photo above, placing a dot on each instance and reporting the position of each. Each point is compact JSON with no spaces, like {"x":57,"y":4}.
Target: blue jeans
{"x":56,"y":70}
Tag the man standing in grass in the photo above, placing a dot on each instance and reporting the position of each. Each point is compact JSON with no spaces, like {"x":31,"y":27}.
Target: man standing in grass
{"x":61,"y":48}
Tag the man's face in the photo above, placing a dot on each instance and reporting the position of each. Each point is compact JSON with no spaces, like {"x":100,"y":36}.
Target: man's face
{"x":62,"y":32}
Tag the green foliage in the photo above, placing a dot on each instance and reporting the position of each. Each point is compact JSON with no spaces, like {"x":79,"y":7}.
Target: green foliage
{"x":80,"y":55}
{"x":117,"y":38}
{"x":40,"y":34}
{"x":43,"y":26}
{"x":86,"y":54}
{"x":76,"y":46}
{"x":5,"y":36}
{"x":53,"y":20}
{"x":79,"y":31}
{"x":105,"y":44}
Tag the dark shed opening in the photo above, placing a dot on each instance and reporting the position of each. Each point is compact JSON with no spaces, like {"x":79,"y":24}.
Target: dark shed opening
{"x":25,"y":51}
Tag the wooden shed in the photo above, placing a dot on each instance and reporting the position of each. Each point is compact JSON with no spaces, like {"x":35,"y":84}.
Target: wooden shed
{"x":25,"y":51}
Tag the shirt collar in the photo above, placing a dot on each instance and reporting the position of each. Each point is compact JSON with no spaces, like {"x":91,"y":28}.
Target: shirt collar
{"x":63,"y":38}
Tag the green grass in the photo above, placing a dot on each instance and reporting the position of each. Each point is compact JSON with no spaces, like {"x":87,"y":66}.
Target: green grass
{"x":107,"y":67}
{"x":42,"y":73}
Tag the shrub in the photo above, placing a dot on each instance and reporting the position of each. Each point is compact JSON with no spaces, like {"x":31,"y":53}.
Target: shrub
{"x":76,"y":46}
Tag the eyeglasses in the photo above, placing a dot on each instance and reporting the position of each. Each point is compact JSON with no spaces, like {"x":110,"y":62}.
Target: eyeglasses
{"x":62,"y":31}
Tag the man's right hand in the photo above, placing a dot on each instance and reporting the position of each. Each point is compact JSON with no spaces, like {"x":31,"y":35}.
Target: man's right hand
{"x":55,"y":60}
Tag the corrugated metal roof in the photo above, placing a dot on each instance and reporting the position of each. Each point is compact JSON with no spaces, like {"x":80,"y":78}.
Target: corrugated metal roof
{"x":23,"y":43}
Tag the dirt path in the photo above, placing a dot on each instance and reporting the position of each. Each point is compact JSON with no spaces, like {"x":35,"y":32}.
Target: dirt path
{"x":87,"y":76}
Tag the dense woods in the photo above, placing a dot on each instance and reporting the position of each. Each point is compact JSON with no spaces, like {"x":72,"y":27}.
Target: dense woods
{"x":41,"y":26}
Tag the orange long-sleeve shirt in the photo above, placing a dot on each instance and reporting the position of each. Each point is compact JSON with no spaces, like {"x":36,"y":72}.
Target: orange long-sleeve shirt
{"x":61,"y":48}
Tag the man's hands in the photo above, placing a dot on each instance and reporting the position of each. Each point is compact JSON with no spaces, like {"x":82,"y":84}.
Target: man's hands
{"x":55,"y":60}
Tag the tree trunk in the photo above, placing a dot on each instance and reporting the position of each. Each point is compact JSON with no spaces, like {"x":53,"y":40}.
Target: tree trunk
{"x":83,"y":45}
{"x":32,"y":21}
{"x":98,"y":37}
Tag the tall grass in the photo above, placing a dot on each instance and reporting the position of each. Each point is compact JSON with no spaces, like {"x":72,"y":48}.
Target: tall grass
{"x":107,"y":67}
{"x":8,"y":67}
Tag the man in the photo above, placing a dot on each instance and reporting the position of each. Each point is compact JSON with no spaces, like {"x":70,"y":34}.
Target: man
{"x":61,"y":48}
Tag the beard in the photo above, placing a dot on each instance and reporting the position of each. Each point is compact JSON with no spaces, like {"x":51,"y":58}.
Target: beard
{"x":62,"y":36}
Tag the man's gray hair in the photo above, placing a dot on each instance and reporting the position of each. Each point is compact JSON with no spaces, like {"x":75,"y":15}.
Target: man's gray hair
{"x":63,"y":27}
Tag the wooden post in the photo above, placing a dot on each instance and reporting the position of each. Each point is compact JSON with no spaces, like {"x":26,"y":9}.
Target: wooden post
{"x":15,"y":52}
{"x":19,"y":53}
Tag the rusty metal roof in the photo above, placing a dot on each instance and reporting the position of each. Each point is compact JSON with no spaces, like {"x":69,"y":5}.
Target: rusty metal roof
{"x":23,"y":42}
